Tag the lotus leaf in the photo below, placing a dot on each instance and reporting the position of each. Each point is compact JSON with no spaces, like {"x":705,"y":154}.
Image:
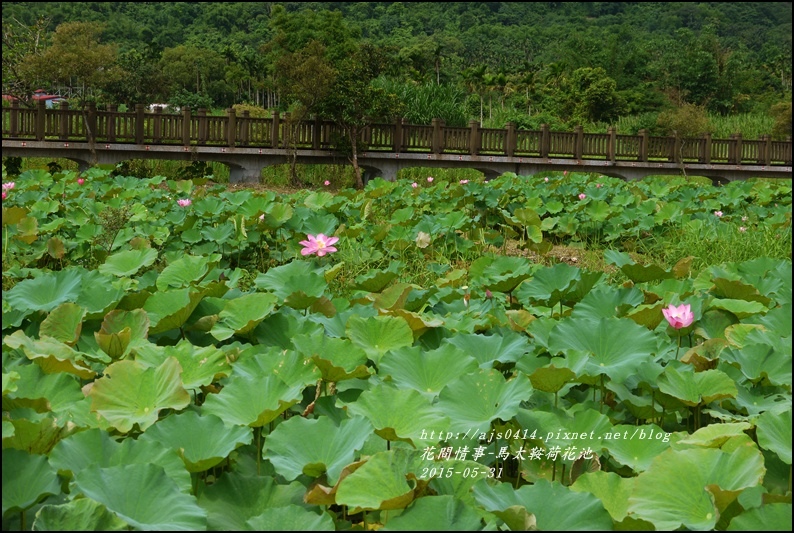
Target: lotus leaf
{"x":84,"y":514}
{"x":142,"y":495}
{"x":27,"y":479}
{"x":130,"y":393}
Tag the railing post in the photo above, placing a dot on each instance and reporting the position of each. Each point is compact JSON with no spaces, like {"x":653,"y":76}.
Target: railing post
{"x":231,"y":127}
{"x":14,"y":118}
{"x":139,"y":123}
{"x":186,"y":120}
{"x":202,"y":125}
{"x":612,"y":143}
{"x":157,"y":127}
{"x":63,"y":120}
{"x":438,"y":136}
{"x":111,"y":132}
{"x":578,"y":142}
{"x":545,"y":140}
{"x":90,"y":122}
{"x":474,"y":137}
{"x":41,"y":109}
{"x":737,"y":149}
{"x":316,"y":133}
{"x":642,"y":151}
{"x":398,"y":135}
{"x":510,"y":139}
{"x":245,"y":126}
{"x":286,"y":131}
{"x":274,"y":128}
{"x":706,"y":148}
{"x":766,"y":160}
{"x":675,"y":157}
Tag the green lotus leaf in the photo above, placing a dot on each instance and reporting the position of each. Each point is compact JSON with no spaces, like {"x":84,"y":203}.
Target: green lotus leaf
{"x":740,"y":335}
{"x":556,"y":508}
{"x":97,"y":447}
{"x":142,"y":495}
{"x":37,"y":436}
{"x":235,"y":498}
{"x":128,"y":262}
{"x":398,"y":414}
{"x":313,"y":447}
{"x":669,"y":500}
{"x":296,"y":278}
{"x":218,"y":234}
{"x":774,"y":433}
{"x":201,"y":365}
{"x":419,"y":324}
{"x":46,"y":291}
{"x":382,"y":482}
{"x":475,"y":400}
{"x":550,"y":378}
{"x":715,"y":435}
{"x":755,"y":402}
{"x":739,"y":308}
{"x":27,"y":230}
{"x":316,"y":223}
{"x":619,"y":259}
{"x":119,"y":329}
{"x":130,"y":393}
{"x":377,"y":335}
{"x":64,"y":323}
{"x":27,"y":479}
{"x":84,"y":514}
{"x":277,"y":214}
{"x":713,"y":324}
{"x":12,"y":215}
{"x":201,"y":441}
{"x":738,"y":290}
{"x":610,"y":488}
{"x":426,"y":371}
{"x":636,"y":446}
{"x":436,"y":513}
{"x":778,"y":321}
{"x":606,"y":340}
{"x":9,"y":382}
{"x":692,"y":388}
{"x":290,"y":366}
{"x":549,"y":285}
{"x":278,"y":329}
{"x":291,"y":518}
{"x":649,"y":316}
{"x":644,"y":273}
{"x":241,"y":315}
{"x":376,"y":280}
{"x":607,"y":302}
{"x":769,"y":517}
{"x":337,"y":359}
{"x":500,"y":273}
{"x":758,"y":361}
{"x":99,"y":294}
{"x":170,"y":309}
{"x":43,"y":392}
{"x":506,"y":347}
{"x":253,"y":401}
{"x":186,"y":271}
{"x":50,"y":354}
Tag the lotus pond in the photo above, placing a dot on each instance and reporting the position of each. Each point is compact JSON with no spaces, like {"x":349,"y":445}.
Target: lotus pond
{"x":182,"y":355}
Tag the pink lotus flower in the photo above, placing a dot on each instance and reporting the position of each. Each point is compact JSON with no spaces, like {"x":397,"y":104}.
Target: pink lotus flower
{"x":326,"y":183}
{"x":718,"y":213}
{"x":262,"y":217}
{"x":414,"y":185}
{"x":464,"y":182}
{"x":744,"y":219}
{"x":430,"y":179}
{"x":679,"y":317}
{"x":8,"y":186}
{"x":184,"y":202}
{"x":599,"y":185}
{"x":546,"y":180}
{"x":564,"y":172}
{"x":742,"y":229}
{"x":319,"y":245}
{"x":80,"y":181}
{"x":582,"y":196}
{"x":5,"y":195}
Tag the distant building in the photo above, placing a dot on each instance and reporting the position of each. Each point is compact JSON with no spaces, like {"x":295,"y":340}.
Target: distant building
{"x":40,"y":94}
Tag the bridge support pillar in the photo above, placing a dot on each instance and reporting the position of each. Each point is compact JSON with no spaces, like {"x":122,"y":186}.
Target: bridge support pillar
{"x":244,"y":174}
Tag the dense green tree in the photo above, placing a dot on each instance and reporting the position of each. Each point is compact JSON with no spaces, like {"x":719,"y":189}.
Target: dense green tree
{"x":354,"y":98}
{"x":21,"y":44}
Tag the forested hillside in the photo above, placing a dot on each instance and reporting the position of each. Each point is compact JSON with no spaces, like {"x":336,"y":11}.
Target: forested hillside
{"x":562,"y":63}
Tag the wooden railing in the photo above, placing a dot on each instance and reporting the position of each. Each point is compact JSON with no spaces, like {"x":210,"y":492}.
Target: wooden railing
{"x":280,"y":132}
